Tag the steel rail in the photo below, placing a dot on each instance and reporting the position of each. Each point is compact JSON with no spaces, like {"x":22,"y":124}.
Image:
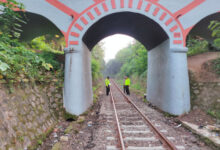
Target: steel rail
{"x":163,"y":139}
{"x":117,"y":120}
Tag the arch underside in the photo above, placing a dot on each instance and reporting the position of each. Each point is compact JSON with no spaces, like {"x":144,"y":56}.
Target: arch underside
{"x":142,"y":28}
{"x":201,"y":28}
{"x":37,"y":25}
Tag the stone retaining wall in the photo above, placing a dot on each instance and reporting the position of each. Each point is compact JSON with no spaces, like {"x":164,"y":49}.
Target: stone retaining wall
{"x":26,"y":113}
{"x":206,"y":95}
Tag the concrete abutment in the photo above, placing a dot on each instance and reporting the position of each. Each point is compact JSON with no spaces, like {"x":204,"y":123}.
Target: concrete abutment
{"x":78,"y":80}
{"x":168,"y":81}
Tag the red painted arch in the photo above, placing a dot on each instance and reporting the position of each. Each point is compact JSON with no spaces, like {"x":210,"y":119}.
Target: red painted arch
{"x":159,"y":7}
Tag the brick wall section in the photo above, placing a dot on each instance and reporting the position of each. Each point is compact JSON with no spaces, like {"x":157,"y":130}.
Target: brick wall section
{"x":27,"y":113}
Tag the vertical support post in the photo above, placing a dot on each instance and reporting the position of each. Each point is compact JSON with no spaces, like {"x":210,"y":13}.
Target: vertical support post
{"x":168,"y":80}
{"x":77,"y":80}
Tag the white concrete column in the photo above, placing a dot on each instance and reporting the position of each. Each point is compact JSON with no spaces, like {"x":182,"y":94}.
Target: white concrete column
{"x":78,"y":80}
{"x":168,"y":81}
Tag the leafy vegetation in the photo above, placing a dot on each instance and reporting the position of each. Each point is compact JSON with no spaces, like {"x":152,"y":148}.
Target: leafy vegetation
{"x":215,"y":28}
{"x":130,"y":61}
{"x":216,"y":66}
{"x":20,"y":62}
{"x":196,"y":45}
{"x":97,"y":62}
{"x":10,"y":20}
{"x":214,"y":113}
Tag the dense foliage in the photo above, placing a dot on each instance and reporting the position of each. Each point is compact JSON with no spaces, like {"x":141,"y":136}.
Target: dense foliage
{"x":19,"y":61}
{"x":134,"y":60}
{"x":98,"y":63}
{"x":196,"y":45}
{"x":215,"y":28}
{"x":130,"y":61}
{"x":10,"y":21}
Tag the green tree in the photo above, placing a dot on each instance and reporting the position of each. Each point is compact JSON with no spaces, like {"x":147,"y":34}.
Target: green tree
{"x":97,"y":61}
{"x":215,"y":28}
{"x":10,"y":20}
{"x":133,"y":59}
{"x":112,"y":67}
{"x":196,"y":45}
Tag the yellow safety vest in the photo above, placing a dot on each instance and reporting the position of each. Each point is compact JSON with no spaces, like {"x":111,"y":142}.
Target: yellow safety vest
{"x":127,"y":82}
{"x":107,"y":82}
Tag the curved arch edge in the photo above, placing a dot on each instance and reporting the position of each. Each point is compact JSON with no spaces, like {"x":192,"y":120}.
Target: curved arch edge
{"x":169,"y":24}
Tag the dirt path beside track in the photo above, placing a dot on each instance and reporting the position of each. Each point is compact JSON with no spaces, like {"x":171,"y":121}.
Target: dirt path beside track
{"x":199,"y":66}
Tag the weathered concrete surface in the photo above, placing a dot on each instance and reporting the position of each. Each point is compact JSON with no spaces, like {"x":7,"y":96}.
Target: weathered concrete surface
{"x":27,"y":113}
{"x":174,"y":18}
{"x":78,"y":81}
{"x":168,"y":82}
{"x":204,"y":132}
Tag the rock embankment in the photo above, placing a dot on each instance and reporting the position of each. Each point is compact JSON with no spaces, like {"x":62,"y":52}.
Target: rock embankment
{"x":27,"y":113}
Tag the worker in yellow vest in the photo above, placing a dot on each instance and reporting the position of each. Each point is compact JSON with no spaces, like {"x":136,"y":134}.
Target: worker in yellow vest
{"x":127,"y":84}
{"x":107,"y":84}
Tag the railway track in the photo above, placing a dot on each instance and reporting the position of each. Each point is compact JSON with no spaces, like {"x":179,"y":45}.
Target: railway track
{"x":134,"y":130}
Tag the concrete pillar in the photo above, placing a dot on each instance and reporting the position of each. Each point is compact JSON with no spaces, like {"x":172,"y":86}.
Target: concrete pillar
{"x":168,"y":81}
{"x":78,"y":80}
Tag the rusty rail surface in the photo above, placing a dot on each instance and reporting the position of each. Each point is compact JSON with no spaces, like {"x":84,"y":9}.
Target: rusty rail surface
{"x":117,"y":121}
{"x":163,"y":139}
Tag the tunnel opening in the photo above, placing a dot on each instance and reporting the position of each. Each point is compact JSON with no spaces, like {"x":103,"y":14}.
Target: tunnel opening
{"x":145,"y":30}
{"x":125,"y":57}
{"x":136,"y":25}
{"x":117,"y":49}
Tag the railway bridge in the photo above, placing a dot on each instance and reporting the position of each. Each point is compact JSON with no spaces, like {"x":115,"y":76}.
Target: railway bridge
{"x":161,"y":26}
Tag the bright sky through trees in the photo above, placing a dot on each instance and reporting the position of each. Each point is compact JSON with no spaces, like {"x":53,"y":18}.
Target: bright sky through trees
{"x":114,"y":43}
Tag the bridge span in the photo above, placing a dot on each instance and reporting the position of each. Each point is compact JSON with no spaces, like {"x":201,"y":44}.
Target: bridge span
{"x":161,"y":26}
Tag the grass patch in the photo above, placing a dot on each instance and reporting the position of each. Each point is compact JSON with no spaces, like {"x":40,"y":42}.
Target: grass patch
{"x":214,"y":113}
{"x":21,"y":139}
{"x":168,"y":115}
{"x":85,"y":113}
{"x":216,"y":66}
{"x":81,"y":119}
{"x":39,"y":140}
{"x":68,"y":129}
{"x":145,"y":100}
